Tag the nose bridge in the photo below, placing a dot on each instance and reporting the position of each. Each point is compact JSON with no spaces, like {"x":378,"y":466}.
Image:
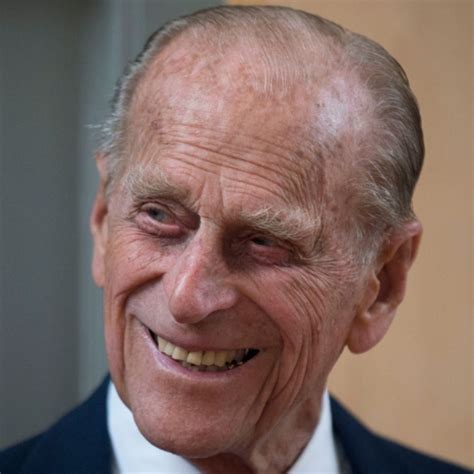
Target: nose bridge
{"x":198,"y":265}
{"x":199,"y":283}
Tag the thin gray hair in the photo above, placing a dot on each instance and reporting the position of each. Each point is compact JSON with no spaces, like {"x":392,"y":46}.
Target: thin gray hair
{"x":392,"y":161}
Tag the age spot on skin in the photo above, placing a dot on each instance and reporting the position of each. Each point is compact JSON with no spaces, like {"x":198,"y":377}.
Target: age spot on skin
{"x":299,"y":154}
{"x":155,"y":124}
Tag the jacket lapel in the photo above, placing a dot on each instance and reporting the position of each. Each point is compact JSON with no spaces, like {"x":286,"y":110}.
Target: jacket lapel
{"x":358,"y":442}
{"x":78,"y":444}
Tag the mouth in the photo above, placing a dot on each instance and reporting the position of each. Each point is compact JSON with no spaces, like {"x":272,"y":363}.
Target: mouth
{"x":204,"y":360}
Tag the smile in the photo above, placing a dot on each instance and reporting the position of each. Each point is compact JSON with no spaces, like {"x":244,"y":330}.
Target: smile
{"x":204,"y":361}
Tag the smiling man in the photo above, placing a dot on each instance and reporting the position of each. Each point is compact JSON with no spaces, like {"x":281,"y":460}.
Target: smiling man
{"x":253,"y":219}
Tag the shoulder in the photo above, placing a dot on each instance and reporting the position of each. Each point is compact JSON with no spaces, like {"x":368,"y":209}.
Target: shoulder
{"x":369,"y":452}
{"x":77,"y":443}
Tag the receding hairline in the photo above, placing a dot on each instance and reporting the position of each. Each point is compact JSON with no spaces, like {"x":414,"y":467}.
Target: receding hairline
{"x":323,"y":93}
{"x":280,"y":68}
{"x":273,"y":64}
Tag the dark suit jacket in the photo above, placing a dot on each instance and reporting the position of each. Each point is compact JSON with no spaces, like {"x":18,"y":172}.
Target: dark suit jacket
{"x":79,"y":444}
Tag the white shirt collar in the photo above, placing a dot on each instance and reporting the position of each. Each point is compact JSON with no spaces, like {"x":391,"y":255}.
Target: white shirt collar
{"x":134,"y":453}
{"x":320,"y":454}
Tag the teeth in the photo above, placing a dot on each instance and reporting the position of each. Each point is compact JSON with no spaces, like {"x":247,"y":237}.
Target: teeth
{"x":179,"y":353}
{"x":208,"y":361}
{"x":194,"y":358}
{"x":208,"y":358}
{"x":220,"y":358}
{"x":161,"y":344}
{"x":230,"y":356}
{"x":169,"y":348}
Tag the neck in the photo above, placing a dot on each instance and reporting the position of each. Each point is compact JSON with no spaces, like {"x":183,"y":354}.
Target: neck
{"x":275,"y":452}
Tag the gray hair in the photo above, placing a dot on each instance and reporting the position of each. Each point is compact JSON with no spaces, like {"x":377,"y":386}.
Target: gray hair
{"x":392,"y":161}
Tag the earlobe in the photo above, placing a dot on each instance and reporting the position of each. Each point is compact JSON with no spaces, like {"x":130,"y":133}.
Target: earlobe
{"x":384,"y":289}
{"x":99,"y":227}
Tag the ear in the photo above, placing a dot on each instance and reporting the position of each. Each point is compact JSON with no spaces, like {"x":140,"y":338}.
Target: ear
{"x":98,"y":225}
{"x":385,"y":288}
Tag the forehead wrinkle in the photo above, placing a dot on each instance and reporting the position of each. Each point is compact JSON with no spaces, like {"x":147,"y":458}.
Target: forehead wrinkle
{"x":308,"y":155}
{"x":148,"y":181}
{"x":296,"y":160}
{"x":303,"y":169}
{"x":241,"y":186}
{"x":234,"y":157}
{"x":295,"y":169}
{"x":244,"y":189}
{"x":216,"y":147}
{"x":169,"y":128}
{"x":311,"y":156}
{"x":215,"y":138}
{"x":274,"y":187}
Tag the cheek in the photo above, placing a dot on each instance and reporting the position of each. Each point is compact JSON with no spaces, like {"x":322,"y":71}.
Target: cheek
{"x":297,"y":303}
{"x":131,"y":261}
{"x":306,"y":307}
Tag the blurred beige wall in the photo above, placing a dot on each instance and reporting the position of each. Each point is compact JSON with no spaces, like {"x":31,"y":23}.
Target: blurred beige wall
{"x":416,"y":386}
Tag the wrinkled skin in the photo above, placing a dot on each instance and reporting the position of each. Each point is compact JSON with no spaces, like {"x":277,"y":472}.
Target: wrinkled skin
{"x":192,"y":267}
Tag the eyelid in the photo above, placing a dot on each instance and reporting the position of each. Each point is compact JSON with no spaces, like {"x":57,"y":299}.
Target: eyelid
{"x":183,"y":215}
{"x":142,"y":205}
{"x":272,"y":241}
{"x":295,"y":251}
{"x":156,"y":205}
{"x":170,"y":228}
{"x":262,"y":234}
{"x":274,"y":254}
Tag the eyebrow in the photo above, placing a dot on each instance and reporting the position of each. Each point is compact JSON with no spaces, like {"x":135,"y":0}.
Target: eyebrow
{"x":145,"y":184}
{"x":294,"y":225}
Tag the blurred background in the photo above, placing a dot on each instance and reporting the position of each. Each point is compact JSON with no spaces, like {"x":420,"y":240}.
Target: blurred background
{"x":58,"y":64}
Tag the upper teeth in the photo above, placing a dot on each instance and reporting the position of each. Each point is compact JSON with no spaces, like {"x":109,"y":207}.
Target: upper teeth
{"x":197,"y":358}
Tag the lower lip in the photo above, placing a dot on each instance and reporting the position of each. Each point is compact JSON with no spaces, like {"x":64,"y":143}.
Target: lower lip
{"x":172,"y":365}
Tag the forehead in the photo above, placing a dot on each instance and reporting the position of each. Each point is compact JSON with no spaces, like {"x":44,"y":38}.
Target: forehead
{"x":315,"y":91}
{"x":211,"y":107}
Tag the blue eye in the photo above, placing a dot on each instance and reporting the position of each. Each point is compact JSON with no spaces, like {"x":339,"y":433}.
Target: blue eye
{"x":158,"y":214}
{"x":158,"y":220}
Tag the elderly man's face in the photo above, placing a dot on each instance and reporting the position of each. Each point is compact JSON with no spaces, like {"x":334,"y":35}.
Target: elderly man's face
{"x":225,"y":243}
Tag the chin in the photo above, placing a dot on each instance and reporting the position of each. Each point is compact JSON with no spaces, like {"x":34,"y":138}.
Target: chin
{"x":185,"y":422}
{"x":181,"y":439}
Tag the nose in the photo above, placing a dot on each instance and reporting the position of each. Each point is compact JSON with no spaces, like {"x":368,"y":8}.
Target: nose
{"x":198,"y":285}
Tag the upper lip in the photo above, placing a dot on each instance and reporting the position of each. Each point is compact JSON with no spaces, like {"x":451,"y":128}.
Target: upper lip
{"x":201,"y":346}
